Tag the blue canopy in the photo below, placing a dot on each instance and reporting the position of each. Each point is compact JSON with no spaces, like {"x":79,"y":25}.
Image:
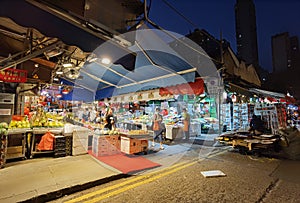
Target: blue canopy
{"x":156,"y":65}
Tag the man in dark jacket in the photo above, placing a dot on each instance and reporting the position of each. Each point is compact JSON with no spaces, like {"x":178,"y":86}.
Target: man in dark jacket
{"x":257,"y":125}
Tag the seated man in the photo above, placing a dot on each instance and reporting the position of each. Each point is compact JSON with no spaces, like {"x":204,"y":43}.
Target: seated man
{"x":256,"y":125}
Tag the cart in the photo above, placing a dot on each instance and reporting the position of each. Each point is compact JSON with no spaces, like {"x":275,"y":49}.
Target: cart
{"x":247,"y":142}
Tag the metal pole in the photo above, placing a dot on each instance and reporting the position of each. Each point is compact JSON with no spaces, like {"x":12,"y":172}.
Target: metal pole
{"x":220,"y":82}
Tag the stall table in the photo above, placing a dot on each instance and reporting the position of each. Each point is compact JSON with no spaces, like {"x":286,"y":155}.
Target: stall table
{"x":17,"y":143}
{"x":37,"y":134}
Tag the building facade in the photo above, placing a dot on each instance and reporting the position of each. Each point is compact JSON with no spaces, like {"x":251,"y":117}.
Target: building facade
{"x":246,"y":36}
{"x":285,"y":52}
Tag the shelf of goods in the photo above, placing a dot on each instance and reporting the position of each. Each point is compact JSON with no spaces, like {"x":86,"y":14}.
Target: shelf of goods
{"x":17,"y":144}
{"x":269,"y":115}
{"x":37,"y":134}
{"x":236,"y":116}
{"x":226,"y":116}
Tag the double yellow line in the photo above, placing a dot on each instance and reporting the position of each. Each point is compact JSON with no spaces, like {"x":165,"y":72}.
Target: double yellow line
{"x":132,"y":183}
{"x":142,"y":180}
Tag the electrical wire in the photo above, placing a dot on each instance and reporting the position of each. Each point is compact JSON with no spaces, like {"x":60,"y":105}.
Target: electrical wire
{"x":183,"y":16}
{"x":188,"y":20}
{"x":174,"y":37}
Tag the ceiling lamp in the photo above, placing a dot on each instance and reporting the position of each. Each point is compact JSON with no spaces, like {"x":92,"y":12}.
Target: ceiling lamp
{"x":65,"y":91}
{"x":68,"y":65}
{"x":105,"y":61}
{"x":72,"y":72}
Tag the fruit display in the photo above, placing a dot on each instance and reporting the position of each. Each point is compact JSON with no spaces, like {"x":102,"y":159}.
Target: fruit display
{"x":19,"y":124}
{"x":137,"y":132}
{"x":107,"y":132}
{"x":3,"y":143}
{"x":43,"y":119}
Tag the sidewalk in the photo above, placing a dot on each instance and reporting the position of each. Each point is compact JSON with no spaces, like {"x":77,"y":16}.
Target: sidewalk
{"x":48,"y":177}
{"x":38,"y":179}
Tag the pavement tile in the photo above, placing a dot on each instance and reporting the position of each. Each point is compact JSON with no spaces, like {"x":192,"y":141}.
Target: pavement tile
{"x":31,"y":178}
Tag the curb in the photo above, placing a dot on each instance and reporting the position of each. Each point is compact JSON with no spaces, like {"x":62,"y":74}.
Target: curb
{"x":76,"y":188}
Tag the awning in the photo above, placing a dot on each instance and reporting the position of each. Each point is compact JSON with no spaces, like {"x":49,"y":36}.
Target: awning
{"x":239,"y":89}
{"x":191,"y":88}
{"x":156,"y":65}
{"x":266,"y":93}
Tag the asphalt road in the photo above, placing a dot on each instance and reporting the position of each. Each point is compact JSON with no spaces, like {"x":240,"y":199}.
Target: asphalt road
{"x":248,"y":179}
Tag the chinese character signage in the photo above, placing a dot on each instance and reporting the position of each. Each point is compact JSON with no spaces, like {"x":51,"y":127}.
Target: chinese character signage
{"x":13,"y":75}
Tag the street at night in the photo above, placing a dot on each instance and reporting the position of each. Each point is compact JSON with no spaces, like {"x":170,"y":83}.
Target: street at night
{"x":129,"y":101}
{"x":248,"y":179}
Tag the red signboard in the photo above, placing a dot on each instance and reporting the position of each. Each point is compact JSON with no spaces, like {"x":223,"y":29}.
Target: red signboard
{"x":13,"y":75}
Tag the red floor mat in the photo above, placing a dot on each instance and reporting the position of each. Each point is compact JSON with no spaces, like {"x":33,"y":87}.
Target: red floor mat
{"x":126,"y":164}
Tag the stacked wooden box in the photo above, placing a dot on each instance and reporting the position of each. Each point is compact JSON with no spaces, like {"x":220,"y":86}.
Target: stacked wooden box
{"x":60,"y":146}
{"x":106,"y":145}
{"x":69,"y":143}
{"x":132,"y":146}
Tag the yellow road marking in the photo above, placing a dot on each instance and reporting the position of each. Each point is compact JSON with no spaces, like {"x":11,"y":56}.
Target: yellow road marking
{"x":121,"y":184}
{"x":148,"y":178}
{"x":151,"y":179}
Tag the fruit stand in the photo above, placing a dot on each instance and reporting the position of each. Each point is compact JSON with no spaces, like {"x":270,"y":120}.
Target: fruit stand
{"x":3,"y":144}
{"x":17,"y":143}
{"x":37,"y":134}
{"x":107,"y":143}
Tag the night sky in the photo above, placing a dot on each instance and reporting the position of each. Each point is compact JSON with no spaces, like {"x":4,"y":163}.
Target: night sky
{"x":272,"y":17}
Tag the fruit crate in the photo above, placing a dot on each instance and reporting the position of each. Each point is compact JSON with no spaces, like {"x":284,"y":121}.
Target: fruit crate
{"x":3,"y":149}
{"x":133,"y":146}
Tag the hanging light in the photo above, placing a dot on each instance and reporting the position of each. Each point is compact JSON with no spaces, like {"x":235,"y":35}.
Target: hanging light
{"x":65,"y":91}
{"x":68,"y":65}
{"x":105,"y":61}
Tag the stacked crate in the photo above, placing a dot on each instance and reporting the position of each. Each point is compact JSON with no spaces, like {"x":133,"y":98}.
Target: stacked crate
{"x":60,"y":146}
{"x":69,"y":143}
{"x":106,"y":145}
{"x":80,"y":141}
{"x":132,"y":146}
{"x":3,"y":149}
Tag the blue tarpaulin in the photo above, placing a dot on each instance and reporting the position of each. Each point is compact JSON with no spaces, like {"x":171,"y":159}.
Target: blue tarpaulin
{"x":156,"y":65}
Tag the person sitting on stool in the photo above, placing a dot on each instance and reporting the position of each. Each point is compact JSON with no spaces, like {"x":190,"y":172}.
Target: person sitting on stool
{"x":256,"y":125}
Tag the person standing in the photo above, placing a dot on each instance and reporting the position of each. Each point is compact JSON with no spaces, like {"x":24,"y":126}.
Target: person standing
{"x":186,"y":123}
{"x":157,"y":128}
{"x":110,"y":120}
{"x":93,"y":114}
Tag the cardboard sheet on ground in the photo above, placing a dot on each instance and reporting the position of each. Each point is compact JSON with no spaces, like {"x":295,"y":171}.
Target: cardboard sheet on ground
{"x":213,"y":173}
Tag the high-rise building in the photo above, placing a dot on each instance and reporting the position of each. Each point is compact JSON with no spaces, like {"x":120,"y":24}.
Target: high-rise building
{"x":285,"y":52}
{"x":246,"y":36}
{"x":295,"y":53}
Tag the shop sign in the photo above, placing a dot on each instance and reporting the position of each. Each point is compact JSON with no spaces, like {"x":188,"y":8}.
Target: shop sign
{"x":13,"y":75}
